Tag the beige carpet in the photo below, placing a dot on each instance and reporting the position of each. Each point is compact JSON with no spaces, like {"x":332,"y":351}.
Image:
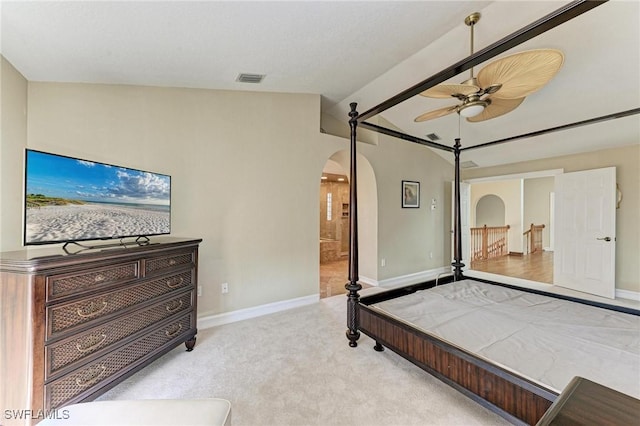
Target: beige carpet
{"x":296,"y":368}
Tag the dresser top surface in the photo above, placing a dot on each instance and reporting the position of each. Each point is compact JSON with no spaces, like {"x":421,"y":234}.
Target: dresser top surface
{"x":38,"y":257}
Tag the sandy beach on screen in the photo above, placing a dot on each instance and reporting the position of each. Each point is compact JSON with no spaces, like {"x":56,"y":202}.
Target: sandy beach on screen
{"x":92,"y":221}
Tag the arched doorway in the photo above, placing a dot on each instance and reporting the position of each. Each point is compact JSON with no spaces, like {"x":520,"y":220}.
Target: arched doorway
{"x":334,"y":229}
{"x":490,"y":211}
{"x":334,"y":222}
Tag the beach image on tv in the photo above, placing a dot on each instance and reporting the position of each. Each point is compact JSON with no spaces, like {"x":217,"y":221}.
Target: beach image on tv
{"x":68,"y":199}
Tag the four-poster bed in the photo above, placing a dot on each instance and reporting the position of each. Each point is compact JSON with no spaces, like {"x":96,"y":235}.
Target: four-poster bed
{"x":499,"y":386}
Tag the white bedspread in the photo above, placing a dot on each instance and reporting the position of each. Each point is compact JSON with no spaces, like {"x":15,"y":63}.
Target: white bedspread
{"x":545,"y":339}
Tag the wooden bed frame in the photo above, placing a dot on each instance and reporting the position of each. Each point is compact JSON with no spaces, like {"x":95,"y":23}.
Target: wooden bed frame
{"x":512,"y":396}
{"x":515,"y":398}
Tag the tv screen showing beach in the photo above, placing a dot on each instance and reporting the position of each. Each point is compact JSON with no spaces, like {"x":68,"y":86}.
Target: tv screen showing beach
{"x":69,"y":199}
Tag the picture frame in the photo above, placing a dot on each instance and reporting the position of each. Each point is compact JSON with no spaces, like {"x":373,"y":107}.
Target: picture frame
{"x":410,"y":194}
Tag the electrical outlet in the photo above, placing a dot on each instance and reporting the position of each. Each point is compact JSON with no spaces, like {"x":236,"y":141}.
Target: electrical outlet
{"x":225,"y":288}
{"x":199,"y":290}
{"x":430,"y":255}
{"x":383,"y":262}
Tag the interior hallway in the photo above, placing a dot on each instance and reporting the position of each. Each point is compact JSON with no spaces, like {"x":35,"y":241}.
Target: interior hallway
{"x":534,"y":267}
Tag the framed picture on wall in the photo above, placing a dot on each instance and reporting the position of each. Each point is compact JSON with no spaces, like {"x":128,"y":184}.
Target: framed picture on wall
{"x":410,"y":194}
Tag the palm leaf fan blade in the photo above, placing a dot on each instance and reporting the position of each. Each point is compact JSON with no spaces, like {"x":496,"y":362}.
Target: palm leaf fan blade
{"x":497,"y":108}
{"x":441,"y":112}
{"x":523,"y":73}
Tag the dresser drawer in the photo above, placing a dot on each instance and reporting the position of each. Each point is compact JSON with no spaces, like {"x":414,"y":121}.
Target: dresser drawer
{"x":67,"y":352}
{"x":160,"y":264}
{"x":74,"y":282}
{"x":100,"y":372}
{"x":63,"y":317}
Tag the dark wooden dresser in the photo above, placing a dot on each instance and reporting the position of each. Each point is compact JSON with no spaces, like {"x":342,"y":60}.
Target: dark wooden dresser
{"x":584,"y":402}
{"x":75,"y":324}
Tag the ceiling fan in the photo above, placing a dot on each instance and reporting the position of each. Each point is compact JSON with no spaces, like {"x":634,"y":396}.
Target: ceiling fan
{"x":500,"y":87}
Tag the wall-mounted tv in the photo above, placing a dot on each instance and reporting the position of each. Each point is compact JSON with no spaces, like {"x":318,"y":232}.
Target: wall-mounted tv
{"x":69,"y":200}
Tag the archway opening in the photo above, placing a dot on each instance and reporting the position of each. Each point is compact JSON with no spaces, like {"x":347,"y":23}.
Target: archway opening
{"x":334,"y":229}
{"x":334,"y":223}
{"x":490,"y":211}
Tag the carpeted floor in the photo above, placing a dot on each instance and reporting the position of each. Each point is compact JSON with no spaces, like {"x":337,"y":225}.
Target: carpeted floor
{"x":296,"y":368}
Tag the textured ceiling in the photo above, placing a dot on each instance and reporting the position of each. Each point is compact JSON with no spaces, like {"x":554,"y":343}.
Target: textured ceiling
{"x":345,"y":51}
{"x":331,"y":48}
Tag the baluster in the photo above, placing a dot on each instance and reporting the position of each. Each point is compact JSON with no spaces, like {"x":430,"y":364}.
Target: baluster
{"x":485,"y":242}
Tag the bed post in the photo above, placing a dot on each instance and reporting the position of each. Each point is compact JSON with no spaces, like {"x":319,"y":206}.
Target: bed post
{"x":352,"y":286}
{"x":457,"y":226}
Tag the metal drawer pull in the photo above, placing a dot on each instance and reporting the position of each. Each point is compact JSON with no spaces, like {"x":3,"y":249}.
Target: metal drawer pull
{"x":92,"y":346}
{"x":91,"y":378}
{"x":173,"y":333}
{"x":172,"y":262}
{"x":92,"y":309}
{"x":98,"y":278}
{"x":175,"y":307}
{"x":175,"y":282}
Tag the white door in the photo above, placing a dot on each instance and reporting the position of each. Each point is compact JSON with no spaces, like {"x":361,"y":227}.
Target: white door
{"x":465,"y":217}
{"x":585,"y":231}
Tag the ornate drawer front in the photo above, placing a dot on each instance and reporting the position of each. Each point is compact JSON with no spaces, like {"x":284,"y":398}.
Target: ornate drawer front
{"x":68,"y":351}
{"x":65,"y":284}
{"x":96,"y":373}
{"x":159,"y":264}
{"x":65,"y":316}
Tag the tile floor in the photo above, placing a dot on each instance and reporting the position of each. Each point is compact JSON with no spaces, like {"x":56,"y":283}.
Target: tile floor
{"x":333,"y":277}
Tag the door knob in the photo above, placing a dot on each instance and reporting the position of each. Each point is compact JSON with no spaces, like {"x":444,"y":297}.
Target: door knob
{"x":605,"y":238}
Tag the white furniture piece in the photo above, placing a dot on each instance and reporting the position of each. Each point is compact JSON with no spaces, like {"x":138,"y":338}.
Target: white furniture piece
{"x":144,"y":412}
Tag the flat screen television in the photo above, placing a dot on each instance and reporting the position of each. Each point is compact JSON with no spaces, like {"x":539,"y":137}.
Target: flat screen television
{"x":69,"y":200}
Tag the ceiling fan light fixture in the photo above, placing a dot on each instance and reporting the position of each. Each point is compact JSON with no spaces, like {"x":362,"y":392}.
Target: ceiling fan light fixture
{"x":473,"y":108}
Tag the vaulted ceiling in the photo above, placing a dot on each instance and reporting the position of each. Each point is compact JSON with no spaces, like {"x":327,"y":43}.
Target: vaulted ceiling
{"x":362,"y":51}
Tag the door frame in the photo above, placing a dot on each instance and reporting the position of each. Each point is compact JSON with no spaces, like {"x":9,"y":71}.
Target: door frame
{"x":524,"y":175}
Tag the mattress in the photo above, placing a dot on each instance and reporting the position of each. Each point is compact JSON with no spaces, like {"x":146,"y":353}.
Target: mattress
{"x":544,"y":339}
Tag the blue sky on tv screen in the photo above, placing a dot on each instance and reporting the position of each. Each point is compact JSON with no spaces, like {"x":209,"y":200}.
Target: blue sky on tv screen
{"x":70,"y":178}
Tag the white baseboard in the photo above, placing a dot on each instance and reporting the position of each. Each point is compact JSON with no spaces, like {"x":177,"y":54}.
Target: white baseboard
{"x":408,"y":279}
{"x":628,"y":294}
{"x":256,"y":311}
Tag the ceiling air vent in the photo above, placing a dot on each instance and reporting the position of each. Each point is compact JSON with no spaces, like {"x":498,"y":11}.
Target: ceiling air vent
{"x":467,"y":164}
{"x":250,"y":78}
{"x":433,"y":137}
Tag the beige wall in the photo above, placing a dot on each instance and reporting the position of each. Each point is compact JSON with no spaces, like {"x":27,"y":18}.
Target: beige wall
{"x":245,"y":173}
{"x":489,"y":211}
{"x":627,"y":163}
{"x":13,"y":310}
{"x":227,"y":152}
{"x":537,"y":208}
{"x":410,"y":240}
{"x":13,"y":139}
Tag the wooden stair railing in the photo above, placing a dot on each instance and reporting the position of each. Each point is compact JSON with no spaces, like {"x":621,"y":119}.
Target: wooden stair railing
{"x":534,"y":238}
{"x":489,"y":241}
